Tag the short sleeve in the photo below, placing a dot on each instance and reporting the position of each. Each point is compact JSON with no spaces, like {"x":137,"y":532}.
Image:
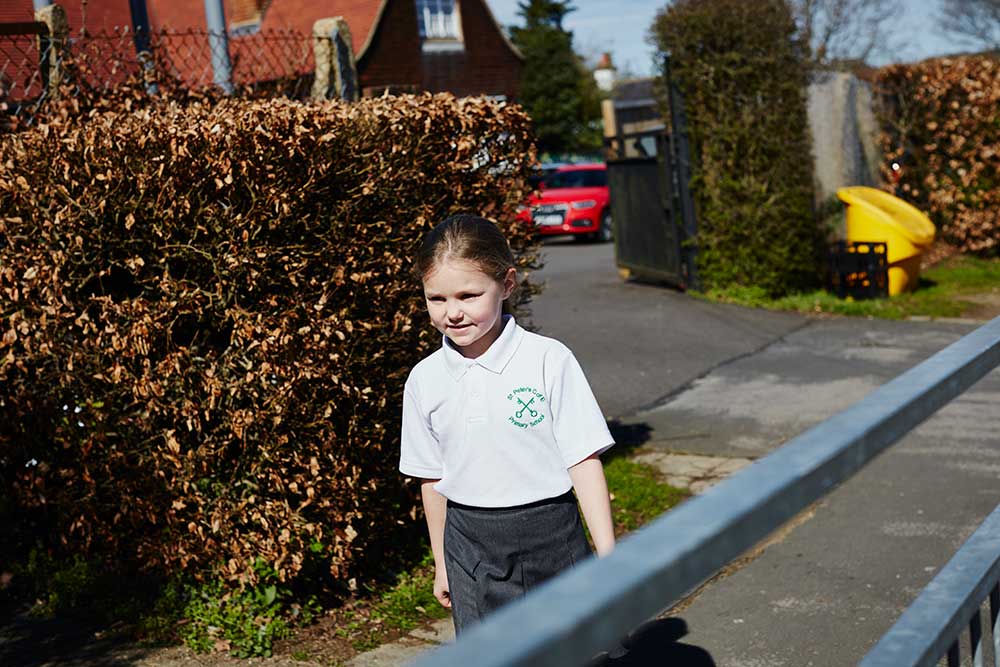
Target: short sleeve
{"x":420,"y":453}
{"x":577,"y":421}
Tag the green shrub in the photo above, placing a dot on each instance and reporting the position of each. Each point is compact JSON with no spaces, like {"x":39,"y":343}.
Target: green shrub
{"x":743,"y":73}
{"x":206,"y":319}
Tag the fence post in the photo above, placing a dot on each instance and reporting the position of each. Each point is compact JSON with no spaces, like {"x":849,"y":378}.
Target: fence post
{"x":336,"y":69}
{"x":51,"y":49}
{"x":681,"y":155}
{"x":141,"y":35}
{"x":218,"y":44}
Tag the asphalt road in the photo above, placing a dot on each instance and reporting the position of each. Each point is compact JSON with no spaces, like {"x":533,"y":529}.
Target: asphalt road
{"x":689,"y":376}
{"x":639,"y":343}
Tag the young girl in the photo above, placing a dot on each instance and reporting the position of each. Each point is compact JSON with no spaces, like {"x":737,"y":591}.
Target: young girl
{"x":498,"y":424}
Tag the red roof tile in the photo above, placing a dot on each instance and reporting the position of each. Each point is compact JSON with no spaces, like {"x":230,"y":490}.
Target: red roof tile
{"x":16,"y":11}
{"x":101,"y":14}
{"x":298,"y":15}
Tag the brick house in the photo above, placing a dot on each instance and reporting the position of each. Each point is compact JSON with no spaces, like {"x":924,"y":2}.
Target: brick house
{"x":433,"y":45}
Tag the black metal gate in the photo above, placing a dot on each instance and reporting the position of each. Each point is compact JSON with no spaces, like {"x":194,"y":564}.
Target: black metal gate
{"x":649,"y":173}
{"x":647,"y":237}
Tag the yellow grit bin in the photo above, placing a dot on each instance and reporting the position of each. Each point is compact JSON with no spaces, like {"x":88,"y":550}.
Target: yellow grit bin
{"x":875,"y":215}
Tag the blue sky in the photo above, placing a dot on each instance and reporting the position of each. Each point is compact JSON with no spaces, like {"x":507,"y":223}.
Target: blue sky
{"x":620,"y":26}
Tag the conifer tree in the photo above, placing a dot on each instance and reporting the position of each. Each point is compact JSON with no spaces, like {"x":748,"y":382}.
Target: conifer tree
{"x":556,"y":89}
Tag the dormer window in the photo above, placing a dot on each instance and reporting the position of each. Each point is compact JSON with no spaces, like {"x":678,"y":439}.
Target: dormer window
{"x":440,"y":28}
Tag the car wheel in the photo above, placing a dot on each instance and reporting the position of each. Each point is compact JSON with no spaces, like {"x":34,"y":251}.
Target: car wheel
{"x":607,"y":232}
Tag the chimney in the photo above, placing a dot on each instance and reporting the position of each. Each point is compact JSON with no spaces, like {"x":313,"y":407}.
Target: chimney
{"x":604,"y":73}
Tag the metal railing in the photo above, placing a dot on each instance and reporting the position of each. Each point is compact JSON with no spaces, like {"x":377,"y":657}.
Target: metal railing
{"x":932,"y":626}
{"x":589,"y":609}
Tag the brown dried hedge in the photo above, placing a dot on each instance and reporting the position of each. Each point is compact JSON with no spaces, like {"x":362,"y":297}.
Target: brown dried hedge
{"x":946,"y":114}
{"x":206,"y":320}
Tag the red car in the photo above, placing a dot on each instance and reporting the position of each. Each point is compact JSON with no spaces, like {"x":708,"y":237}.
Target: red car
{"x":573,"y":200}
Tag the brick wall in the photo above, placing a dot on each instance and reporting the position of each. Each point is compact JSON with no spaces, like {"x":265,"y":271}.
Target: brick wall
{"x":393,"y":57}
{"x":488,"y":65}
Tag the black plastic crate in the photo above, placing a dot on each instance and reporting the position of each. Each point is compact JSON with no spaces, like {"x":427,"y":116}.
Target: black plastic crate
{"x":859,"y":269}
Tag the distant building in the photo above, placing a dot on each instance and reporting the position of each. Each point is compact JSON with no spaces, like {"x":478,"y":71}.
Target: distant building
{"x":400,"y":45}
{"x":633,"y":109}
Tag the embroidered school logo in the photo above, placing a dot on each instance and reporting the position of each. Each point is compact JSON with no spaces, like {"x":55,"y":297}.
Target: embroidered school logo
{"x":527,"y":407}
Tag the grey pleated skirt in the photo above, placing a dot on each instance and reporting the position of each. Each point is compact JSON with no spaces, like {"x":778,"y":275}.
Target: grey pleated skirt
{"x":496,"y":555}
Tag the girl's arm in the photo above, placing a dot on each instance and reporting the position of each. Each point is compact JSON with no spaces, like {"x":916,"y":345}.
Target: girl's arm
{"x":592,"y":492}
{"x":435,"y":509}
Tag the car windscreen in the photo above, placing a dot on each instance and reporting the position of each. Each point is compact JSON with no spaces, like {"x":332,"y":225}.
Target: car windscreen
{"x":578,"y":178}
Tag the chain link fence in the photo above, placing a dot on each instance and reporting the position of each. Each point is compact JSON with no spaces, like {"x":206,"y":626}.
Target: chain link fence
{"x":89,"y":67}
{"x":25,"y":49}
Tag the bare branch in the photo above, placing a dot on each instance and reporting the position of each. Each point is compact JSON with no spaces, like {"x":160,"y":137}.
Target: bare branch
{"x":974,"y":22}
{"x":842,"y":30}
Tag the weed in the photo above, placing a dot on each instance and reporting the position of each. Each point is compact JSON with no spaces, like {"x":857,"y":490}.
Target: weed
{"x":244,"y":622}
{"x":639,"y":494}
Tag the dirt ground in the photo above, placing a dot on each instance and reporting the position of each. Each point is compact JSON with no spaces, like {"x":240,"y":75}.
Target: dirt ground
{"x":987,"y":306}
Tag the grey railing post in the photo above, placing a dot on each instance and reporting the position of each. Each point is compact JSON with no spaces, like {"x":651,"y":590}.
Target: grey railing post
{"x":681,"y":153}
{"x":143,"y":52}
{"x":933,"y":624}
{"x":218,"y":43}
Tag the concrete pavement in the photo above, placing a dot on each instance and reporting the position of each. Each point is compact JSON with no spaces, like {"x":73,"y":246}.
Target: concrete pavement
{"x":640,"y":343}
{"x":826,"y":591}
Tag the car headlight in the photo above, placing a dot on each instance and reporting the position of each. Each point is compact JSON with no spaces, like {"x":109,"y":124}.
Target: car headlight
{"x":587,"y":203}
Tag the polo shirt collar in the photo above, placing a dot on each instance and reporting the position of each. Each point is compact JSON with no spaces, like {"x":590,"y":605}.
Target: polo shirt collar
{"x":495,"y":359}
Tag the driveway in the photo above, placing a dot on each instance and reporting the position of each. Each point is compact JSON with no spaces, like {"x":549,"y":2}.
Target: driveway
{"x":640,"y":343}
{"x":688,"y":376}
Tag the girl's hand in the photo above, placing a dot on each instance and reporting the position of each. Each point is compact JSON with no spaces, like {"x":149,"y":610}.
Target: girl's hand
{"x":595,"y":502}
{"x":441,"y":591}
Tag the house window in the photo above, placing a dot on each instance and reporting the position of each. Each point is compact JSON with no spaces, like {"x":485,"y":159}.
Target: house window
{"x":438,"y":19}
{"x":245,"y":16}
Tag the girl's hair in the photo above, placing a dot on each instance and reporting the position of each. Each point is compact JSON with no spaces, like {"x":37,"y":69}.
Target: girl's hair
{"x":472,"y":239}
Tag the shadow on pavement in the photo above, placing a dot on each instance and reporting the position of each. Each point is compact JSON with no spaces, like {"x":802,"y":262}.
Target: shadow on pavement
{"x":627,"y":437}
{"x":26,"y":641}
{"x":655,"y":644}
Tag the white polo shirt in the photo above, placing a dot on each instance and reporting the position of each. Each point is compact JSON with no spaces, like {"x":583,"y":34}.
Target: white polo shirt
{"x":502,"y":429}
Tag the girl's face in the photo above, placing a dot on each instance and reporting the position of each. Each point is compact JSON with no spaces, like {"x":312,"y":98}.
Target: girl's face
{"x":465,"y":304}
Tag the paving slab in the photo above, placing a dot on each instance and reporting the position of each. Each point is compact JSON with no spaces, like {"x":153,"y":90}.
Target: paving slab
{"x":404,"y":650}
{"x":692,"y":472}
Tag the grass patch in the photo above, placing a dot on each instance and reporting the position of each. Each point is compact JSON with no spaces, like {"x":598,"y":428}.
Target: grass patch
{"x":639,"y":495}
{"x":939,"y":294}
{"x":395,"y":610}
